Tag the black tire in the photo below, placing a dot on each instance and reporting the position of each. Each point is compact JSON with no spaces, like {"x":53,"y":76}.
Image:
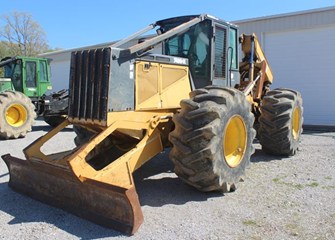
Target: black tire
{"x":53,"y":120}
{"x":82,"y":135}
{"x":17,"y":115}
{"x":199,"y":150}
{"x":281,"y":122}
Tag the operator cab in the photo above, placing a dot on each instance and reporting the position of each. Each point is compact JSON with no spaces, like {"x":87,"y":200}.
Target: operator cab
{"x":211,"y":47}
{"x":11,"y":74}
{"x":30,"y":76}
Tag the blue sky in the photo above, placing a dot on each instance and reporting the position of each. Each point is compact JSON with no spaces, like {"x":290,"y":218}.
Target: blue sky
{"x":75,"y":23}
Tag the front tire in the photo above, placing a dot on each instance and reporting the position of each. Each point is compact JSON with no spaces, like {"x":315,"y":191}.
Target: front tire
{"x":17,"y":115}
{"x":212,"y":139}
{"x":281,"y":122}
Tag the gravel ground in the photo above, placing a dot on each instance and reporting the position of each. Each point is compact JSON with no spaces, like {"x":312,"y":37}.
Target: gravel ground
{"x":280,"y":198}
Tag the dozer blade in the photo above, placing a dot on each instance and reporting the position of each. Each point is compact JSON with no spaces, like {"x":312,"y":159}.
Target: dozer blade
{"x":107,"y":205}
{"x":98,"y":187}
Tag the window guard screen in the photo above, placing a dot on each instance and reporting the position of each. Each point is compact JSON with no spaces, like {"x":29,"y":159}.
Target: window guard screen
{"x":220,"y":52}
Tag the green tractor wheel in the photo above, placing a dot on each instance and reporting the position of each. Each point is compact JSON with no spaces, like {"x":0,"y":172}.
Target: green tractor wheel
{"x":17,"y":115}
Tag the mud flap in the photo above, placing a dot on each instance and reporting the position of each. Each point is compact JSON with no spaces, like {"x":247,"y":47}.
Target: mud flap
{"x":110,"y":206}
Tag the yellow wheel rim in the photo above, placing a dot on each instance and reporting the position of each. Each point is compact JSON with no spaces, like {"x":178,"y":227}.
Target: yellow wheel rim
{"x":16,"y":115}
{"x":235,"y":141}
{"x":296,"y":123}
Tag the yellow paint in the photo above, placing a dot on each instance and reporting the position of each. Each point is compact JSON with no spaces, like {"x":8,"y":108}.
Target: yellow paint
{"x":16,"y":115}
{"x":119,"y":172}
{"x":159,"y":90}
{"x":296,"y":123}
{"x":160,"y":86}
{"x":246,"y":48}
{"x":235,"y":141}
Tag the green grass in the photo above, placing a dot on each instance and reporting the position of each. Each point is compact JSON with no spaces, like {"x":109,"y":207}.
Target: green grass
{"x":313,"y":184}
{"x":251,"y":223}
{"x":289,"y":184}
{"x":296,"y":185}
{"x":328,"y":187}
{"x":276,"y":180}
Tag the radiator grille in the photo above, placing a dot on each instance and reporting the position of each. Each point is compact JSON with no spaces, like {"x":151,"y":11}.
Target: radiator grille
{"x":89,"y":84}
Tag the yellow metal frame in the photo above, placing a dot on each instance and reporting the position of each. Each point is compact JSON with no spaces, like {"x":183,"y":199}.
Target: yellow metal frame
{"x":246,"y":48}
{"x":119,"y":172}
{"x":163,"y":86}
{"x":260,"y":72}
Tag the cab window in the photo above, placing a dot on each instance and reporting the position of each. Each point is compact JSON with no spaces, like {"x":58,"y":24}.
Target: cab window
{"x":43,"y":71}
{"x":31,"y":74}
{"x":194,"y":44}
{"x":233,"y":46}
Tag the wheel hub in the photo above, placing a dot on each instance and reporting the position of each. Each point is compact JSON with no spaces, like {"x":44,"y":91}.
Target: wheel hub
{"x":296,"y":123}
{"x":16,"y":115}
{"x":235,"y":141}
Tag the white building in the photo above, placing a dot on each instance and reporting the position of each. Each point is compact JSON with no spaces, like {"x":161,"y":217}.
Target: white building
{"x":60,"y":66}
{"x":299,"y":46}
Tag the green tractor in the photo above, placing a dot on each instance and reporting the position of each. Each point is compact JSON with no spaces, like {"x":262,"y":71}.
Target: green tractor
{"x":24,"y":81}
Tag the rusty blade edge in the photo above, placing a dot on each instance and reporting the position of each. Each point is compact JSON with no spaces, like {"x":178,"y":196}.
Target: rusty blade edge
{"x":109,"y":206}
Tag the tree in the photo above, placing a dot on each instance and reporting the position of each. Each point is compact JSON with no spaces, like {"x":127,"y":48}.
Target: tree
{"x":21,"y":35}
{"x":3,"y":50}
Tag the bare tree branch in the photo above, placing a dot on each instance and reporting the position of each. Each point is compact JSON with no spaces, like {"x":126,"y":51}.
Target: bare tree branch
{"x":22,"y":35}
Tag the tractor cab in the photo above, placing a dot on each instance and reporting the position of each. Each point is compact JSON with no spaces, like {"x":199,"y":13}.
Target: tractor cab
{"x":31,"y":76}
{"x":210,"y":46}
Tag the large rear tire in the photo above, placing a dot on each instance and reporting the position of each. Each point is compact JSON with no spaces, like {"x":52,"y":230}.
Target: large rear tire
{"x":281,"y":122}
{"x":212,"y":139}
{"x":17,"y":115}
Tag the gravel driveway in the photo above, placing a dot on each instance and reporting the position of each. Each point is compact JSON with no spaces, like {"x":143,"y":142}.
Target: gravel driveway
{"x":280,"y":198}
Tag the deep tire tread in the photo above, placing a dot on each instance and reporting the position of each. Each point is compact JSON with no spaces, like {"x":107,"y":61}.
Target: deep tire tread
{"x":8,"y":98}
{"x":275,"y":131}
{"x":197,"y":151}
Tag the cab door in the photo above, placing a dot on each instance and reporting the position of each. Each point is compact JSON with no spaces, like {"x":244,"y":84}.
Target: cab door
{"x":36,"y":77}
{"x":43,"y":70}
{"x":30,"y":78}
{"x":225,"y":55}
